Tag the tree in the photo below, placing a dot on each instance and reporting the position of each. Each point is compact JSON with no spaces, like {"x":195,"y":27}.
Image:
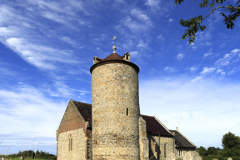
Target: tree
{"x":230,"y":12}
{"x":202,"y":151}
{"x":230,"y":141}
{"x":212,"y":151}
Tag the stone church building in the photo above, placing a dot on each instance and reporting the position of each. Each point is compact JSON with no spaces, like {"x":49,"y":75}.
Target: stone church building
{"x":112,"y":128}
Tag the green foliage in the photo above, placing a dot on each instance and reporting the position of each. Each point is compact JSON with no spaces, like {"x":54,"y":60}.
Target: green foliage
{"x":202,"y":151}
{"x":230,"y":152}
{"x":27,"y":155}
{"x":212,"y":151}
{"x":229,"y":12}
{"x":230,"y":141}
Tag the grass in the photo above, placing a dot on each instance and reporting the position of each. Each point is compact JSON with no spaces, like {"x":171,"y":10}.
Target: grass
{"x":25,"y":159}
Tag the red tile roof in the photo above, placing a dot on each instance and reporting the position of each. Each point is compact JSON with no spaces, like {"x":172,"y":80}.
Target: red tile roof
{"x":85,"y":110}
{"x":154,"y":127}
{"x":113,"y":56}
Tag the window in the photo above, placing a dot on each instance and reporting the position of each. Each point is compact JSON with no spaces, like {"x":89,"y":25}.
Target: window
{"x":165,"y":150}
{"x":127,"y":111}
{"x":70,"y":142}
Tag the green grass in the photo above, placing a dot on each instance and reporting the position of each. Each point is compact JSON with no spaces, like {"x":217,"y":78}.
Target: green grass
{"x":26,"y":159}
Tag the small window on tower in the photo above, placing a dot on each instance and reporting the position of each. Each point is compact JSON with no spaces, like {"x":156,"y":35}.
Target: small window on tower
{"x":70,"y":143}
{"x":127,"y":111}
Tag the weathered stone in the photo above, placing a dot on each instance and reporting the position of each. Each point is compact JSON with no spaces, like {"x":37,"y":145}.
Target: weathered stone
{"x":115,"y":112}
{"x":79,"y":147}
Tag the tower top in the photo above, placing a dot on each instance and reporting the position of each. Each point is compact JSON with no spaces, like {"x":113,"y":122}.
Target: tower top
{"x":113,"y":58}
{"x":114,"y":47}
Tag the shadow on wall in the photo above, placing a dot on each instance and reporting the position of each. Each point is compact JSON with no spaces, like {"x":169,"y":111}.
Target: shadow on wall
{"x":153,"y":146}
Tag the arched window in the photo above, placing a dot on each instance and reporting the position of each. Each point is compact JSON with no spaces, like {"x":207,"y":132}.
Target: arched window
{"x":70,"y":142}
{"x":127,"y":111}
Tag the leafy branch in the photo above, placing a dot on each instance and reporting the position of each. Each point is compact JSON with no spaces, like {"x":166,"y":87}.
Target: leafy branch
{"x":194,"y":24}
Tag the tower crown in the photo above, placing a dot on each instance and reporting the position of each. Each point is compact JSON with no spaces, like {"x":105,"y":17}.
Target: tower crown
{"x":113,"y":58}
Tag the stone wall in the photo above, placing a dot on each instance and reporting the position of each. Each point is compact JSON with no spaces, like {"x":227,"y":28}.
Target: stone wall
{"x":79,"y":145}
{"x":143,"y":140}
{"x":71,"y":120}
{"x":166,"y":148}
{"x":188,"y":155}
{"x":89,"y":146}
{"x":115,"y":112}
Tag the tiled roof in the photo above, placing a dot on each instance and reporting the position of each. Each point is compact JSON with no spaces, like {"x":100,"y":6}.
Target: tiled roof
{"x":85,"y":110}
{"x":154,"y":127}
{"x":181,"y":141}
{"x":113,"y":56}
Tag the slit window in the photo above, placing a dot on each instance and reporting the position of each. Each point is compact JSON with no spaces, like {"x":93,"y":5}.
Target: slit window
{"x":127,"y":111}
{"x":70,"y":142}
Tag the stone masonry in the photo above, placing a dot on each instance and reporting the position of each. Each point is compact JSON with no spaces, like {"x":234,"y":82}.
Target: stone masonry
{"x":115,"y":112}
{"x":79,"y":144}
{"x":111,"y":128}
{"x":72,"y":124}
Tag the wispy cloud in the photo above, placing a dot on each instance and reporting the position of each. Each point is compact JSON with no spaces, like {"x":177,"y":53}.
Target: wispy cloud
{"x":208,"y":53}
{"x":134,"y":53}
{"x":227,"y":58}
{"x":170,"y":20}
{"x":141,"y":44}
{"x":170,"y":69}
{"x":138,"y":21}
{"x":180,"y":56}
{"x":193,"y":69}
{"x":207,"y":70}
{"x":33,"y":53}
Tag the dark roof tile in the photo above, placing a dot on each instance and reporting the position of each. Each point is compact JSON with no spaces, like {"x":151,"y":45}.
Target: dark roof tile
{"x":85,"y":110}
{"x":154,"y":127}
{"x":113,"y":56}
{"x":181,"y":141}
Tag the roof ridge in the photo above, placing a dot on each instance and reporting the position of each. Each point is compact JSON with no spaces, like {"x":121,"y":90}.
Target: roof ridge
{"x":82,"y":102}
{"x":146,"y":115}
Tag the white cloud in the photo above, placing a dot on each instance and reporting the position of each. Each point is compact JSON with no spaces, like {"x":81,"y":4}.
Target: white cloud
{"x":235,"y":51}
{"x":161,"y":37}
{"x":228,"y":58}
{"x":202,"y":37}
{"x":142,"y":44}
{"x":180,"y":56}
{"x":207,"y":70}
{"x":193,"y":69}
{"x":137,"y":22}
{"x":170,"y":20}
{"x":208,"y":53}
{"x":204,"y":110}
{"x":153,"y":4}
{"x":31,"y":110}
{"x":140,"y":16}
{"x":40,"y":56}
{"x":134,"y":53}
{"x":170,"y":69}
{"x":68,"y":40}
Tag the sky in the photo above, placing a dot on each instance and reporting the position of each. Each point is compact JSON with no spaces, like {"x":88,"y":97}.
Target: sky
{"x":47,"y":49}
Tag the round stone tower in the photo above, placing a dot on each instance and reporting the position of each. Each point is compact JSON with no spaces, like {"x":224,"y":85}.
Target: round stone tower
{"x":115,"y":108}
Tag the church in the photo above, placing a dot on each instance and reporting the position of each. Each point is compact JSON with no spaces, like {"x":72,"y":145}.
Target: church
{"x":112,"y":128}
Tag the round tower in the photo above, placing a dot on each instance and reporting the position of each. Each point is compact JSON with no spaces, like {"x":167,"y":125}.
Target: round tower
{"x":115,"y":108}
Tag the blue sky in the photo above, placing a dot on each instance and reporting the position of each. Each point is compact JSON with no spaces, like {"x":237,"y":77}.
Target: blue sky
{"x":47,"y":48}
